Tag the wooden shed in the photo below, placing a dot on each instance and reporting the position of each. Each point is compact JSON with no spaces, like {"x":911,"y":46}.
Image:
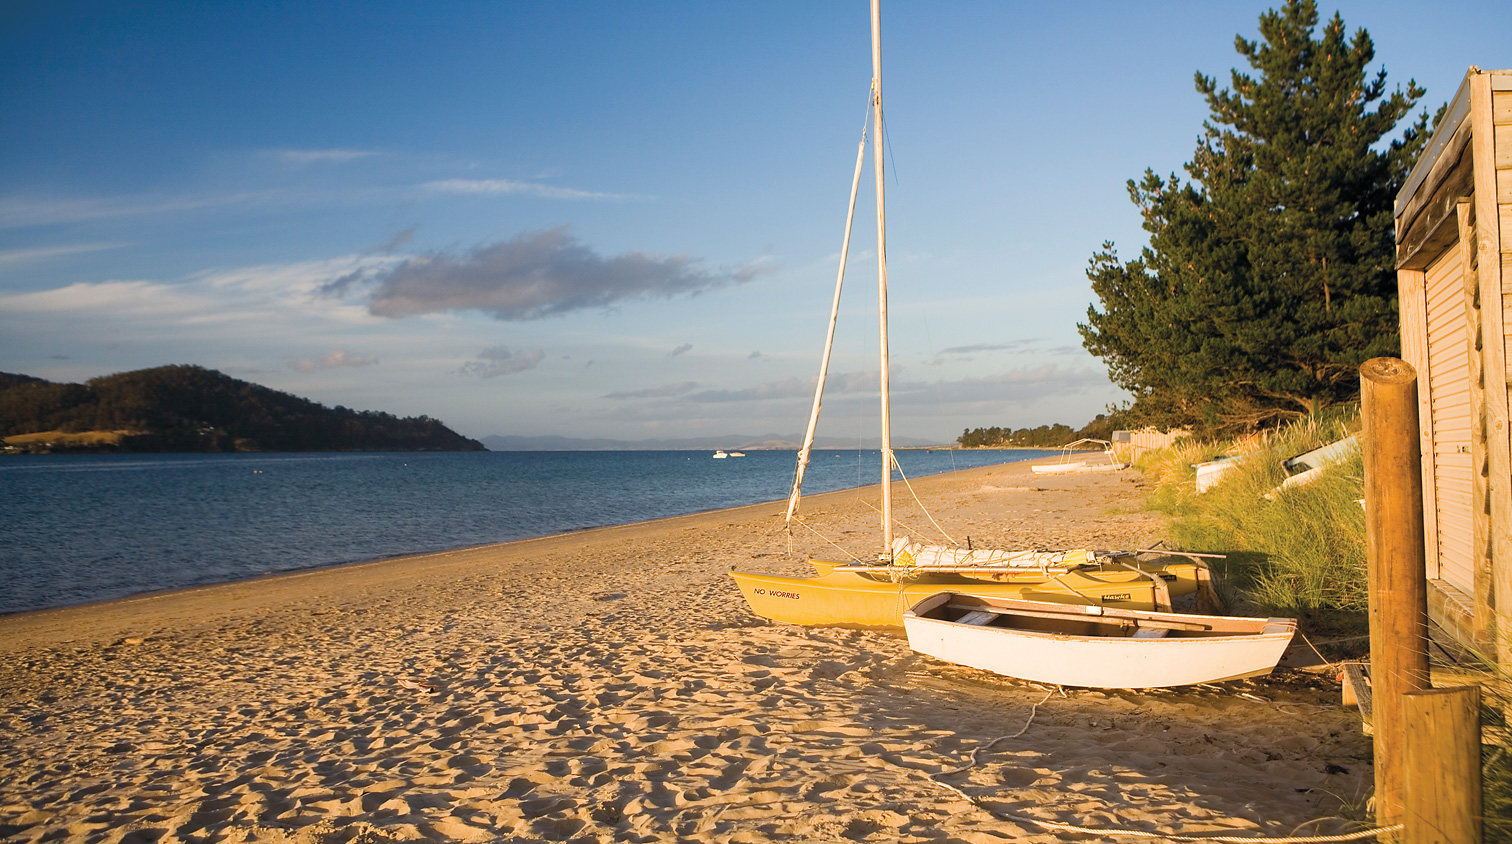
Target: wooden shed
{"x":1454,"y":277}
{"x":1128,"y":445}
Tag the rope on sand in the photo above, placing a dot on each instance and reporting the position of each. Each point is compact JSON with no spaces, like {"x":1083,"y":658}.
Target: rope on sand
{"x":1169,"y":836}
{"x":1133,"y":833}
{"x":972,"y":759}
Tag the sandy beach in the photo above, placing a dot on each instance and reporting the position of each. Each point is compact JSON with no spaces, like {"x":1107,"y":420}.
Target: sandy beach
{"x":611,"y":686}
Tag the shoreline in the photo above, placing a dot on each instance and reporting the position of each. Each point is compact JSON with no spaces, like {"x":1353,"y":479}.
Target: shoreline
{"x":336,"y":568}
{"x":610,"y":685}
{"x":170,"y":563}
{"x":490,"y":548}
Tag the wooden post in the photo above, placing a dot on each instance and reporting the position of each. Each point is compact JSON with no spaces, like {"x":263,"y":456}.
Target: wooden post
{"x":1398,"y":582}
{"x":1441,"y":753}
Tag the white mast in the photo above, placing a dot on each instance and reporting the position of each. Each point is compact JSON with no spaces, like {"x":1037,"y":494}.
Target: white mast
{"x":887,"y":454}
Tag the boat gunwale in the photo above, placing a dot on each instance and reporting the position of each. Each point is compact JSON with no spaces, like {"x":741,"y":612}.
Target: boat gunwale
{"x":1237,"y":627}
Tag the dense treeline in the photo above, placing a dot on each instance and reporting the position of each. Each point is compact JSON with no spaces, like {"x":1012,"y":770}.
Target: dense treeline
{"x":1270,"y":273}
{"x":190,"y":408}
{"x":1045,"y":436}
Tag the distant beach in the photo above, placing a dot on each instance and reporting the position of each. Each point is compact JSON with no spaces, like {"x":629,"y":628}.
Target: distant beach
{"x":609,"y":685}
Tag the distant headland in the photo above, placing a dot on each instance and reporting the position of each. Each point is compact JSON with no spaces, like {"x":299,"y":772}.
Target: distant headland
{"x":193,"y":409}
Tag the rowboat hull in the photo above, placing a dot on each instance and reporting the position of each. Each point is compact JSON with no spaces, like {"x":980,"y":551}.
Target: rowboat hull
{"x":1093,"y":646}
{"x":872,"y":600}
{"x":1057,"y":468}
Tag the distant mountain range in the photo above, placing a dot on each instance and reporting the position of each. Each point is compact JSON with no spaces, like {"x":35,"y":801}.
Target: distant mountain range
{"x":193,"y":409}
{"x":740,"y":442}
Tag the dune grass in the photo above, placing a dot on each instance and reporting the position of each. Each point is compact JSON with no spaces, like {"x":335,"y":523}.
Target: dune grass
{"x":1300,"y":552}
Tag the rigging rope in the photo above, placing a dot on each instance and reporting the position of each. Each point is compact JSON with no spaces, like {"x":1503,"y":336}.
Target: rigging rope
{"x":906,"y":526}
{"x":915,"y":495}
{"x":826,"y":539}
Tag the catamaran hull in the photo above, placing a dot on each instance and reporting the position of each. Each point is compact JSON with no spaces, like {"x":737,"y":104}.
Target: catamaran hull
{"x":856,"y":599}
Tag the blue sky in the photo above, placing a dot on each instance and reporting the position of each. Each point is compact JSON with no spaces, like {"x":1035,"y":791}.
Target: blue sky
{"x":607,"y":219}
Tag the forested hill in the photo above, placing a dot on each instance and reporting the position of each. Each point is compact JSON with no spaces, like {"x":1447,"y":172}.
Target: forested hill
{"x":193,"y":409}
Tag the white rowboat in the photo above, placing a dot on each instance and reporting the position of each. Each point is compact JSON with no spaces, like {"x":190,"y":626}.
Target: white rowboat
{"x":1094,"y":646}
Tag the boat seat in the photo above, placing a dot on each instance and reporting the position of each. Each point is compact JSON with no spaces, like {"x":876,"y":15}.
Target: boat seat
{"x":1149,"y":633}
{"x":977,"y":617}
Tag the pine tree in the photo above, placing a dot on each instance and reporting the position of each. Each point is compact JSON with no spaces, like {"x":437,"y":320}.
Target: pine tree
{"x":1269,"y":275}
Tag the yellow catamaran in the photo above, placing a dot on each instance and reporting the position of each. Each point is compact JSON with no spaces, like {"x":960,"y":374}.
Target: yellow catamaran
{"x":867,"y":594}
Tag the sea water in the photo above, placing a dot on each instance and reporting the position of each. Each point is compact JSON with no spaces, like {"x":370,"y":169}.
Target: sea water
{"x":81,"y":528}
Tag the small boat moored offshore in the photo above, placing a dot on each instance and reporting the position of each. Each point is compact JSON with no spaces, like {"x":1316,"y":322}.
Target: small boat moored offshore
{"x":1094,"y":646}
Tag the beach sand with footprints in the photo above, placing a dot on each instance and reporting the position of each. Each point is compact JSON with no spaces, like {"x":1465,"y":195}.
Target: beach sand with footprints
{"x":611,"y":686}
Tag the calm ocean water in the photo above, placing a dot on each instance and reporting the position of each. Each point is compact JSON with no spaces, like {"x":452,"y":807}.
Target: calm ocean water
{"x":83,"y":528}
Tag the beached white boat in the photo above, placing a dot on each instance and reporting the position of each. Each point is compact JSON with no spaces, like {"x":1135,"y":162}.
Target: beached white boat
{"x":1058,"y":468}
{"x":1098,"y":647}
{"x":1305,"y":468}
{"x":875,"y":591}
{"x":1081,"y":446}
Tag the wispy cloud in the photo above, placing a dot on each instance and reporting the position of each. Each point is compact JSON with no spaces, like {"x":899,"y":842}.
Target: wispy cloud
{"x":392,"y":245}
{"x":680,"y":350}
{"x":786,"y":388}
{"x":1025,"y":384}
{"x":837,"y":384}
{"x":1012,"y":346}
{"x":499,"y":360}
{"x":299,"y":285}
{"x":504,"y":187}
{"x":261,"y":297}
{"x":1021,"y":385}
{"x":959,"y":354}
{"x":665,"y":392}
{"x":23,"y":211}
{"x":332,"y":360}
{"x":538,"y":274}
{"x":322,"y":156}
{"x":107,"y":298}
{"x":43,"y":253}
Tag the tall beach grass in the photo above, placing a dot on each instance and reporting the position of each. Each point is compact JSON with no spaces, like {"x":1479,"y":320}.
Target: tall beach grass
{"x":1300,"y":552}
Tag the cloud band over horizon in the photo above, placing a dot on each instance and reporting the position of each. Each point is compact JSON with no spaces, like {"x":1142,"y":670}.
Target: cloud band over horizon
{"x":536,"y":275}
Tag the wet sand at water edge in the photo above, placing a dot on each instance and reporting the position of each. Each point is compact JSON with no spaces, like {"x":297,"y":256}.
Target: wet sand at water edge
{"x":611,"y":686}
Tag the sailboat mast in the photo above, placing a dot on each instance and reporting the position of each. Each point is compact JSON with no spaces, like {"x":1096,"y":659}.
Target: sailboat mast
{"x":887,"y":453}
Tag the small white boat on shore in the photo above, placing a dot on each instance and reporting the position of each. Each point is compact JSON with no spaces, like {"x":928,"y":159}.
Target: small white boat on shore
{"x":1058,"y":468}
{"x":1067,"y":466}
{"x":1094,"y":646}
